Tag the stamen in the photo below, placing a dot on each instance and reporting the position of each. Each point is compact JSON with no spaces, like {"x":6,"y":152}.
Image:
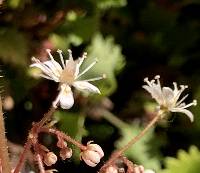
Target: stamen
{"x":157,"y":77}
{"x":146,"y":79}
{"x":35,"y":59}
{"x":88,"y":68}
{"x":46,"y":77}
{"x":96,"y":78}
{"x":180,"y":101}
{"x":81,"y":59}
{"x":70,"y":54}
{"x":194,"y":103}
{"x":61,"y":58}
{"x":50,"y":55}
{"x":46,"y":69}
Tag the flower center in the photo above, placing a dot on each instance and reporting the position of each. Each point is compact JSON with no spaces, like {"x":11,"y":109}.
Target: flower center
{"x":67,"y":75}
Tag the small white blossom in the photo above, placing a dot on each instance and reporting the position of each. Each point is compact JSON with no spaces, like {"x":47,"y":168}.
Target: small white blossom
{"x":167,"y":98}
{"x":67,"y":74}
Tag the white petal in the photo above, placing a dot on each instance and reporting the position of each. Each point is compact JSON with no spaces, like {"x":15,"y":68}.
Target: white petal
{"x":46,"y":71}
{"x":155,"y":93}
{"x":83,"y":85}
{"x":168,"y":96}
{"x":185,"y":111}
{"x":54,"y":66}
{"x":66,"y":97}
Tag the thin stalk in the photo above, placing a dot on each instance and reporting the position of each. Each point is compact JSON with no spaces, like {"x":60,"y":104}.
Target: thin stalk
{"x":28,"y":144}
{"x":132,"y":141}
{"x":22,"y":158}
{"x":113,"y":119}
{"x":64,"y":136}
{"x":4,"y":157}
{"x":46,"y":117}
{"x":40,"y":163}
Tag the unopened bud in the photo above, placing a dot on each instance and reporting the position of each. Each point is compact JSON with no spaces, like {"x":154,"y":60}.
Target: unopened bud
{"x":51,"y":171}
{"x":149,"y":171}
{"x":61,"y":143}
{"x":111,"y":169}
{"x":50,"y":159}
{"x":92,"y":154}
{"x":66,"y":153}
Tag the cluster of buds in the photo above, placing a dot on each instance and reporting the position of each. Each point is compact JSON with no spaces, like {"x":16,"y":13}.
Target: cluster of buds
{"x":123,"y":165}
{"x":65,"y":151}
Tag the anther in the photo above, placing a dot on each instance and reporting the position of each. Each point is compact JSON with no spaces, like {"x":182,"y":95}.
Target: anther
{"x":104,"y":76}
{"x":194,"y":102}
{"x":157,"y":77}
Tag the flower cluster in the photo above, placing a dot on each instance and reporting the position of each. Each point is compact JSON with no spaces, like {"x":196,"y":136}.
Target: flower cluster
{"x":67,"y":74}
{"x":168,"y":99}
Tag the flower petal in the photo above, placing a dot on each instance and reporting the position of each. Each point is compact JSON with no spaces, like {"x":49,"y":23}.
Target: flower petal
{"x":46,"y":70}
{"x":185,"y":111}
{"x":54,"y":66}
{"x":66,"y":98}
{"x":168,"y":96}
{"x":83,"y":85}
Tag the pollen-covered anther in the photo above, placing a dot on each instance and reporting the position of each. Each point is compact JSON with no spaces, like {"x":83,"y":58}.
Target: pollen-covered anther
{"x":50,"y":158}
{"x":157,"y":77}
{"x":194,"y":102}
{"x":104,"y":76}
{"x":92,"y":154}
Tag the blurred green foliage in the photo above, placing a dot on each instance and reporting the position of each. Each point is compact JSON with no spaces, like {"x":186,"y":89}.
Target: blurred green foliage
{"x":185,"y":162}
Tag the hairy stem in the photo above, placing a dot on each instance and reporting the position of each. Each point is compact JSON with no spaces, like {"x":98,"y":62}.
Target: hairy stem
{"x":46,"y":117}
{"x":40,"y":163}
{"x":22,"y":158}
{"x":4,"y":157}
{"x":64,"y":136}
{"x":132,"y":141}
{"x":34,"y":131}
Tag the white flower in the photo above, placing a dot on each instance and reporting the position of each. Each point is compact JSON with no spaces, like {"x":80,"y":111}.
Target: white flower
{"x":167,"y":98}
{"x":67,"y":74}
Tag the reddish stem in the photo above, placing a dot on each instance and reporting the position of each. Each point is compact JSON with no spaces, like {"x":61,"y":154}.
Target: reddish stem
{"x":64,"y":136}
{"x":33,"y":134}
{"x":22,"y":159}
{"x":40,"y":163}
{"x":131,"y":142}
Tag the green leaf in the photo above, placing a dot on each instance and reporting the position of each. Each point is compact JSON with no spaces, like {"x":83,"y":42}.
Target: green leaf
{"x":13,"y":47}
{"x":186,"y":162}
{"x":139,"y":152}
{"x":105,"y":4}
{"x":73,"y":125}
{"x":110,"y":62}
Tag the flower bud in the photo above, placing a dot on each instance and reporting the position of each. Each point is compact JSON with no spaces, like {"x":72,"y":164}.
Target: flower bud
{"x":92,"y":154}
{"x":50,"y":159}
{"x":51,"y":171}
{"x":149,"y":171}
{"x":66,"y":153}
{"x":111,"y":169}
